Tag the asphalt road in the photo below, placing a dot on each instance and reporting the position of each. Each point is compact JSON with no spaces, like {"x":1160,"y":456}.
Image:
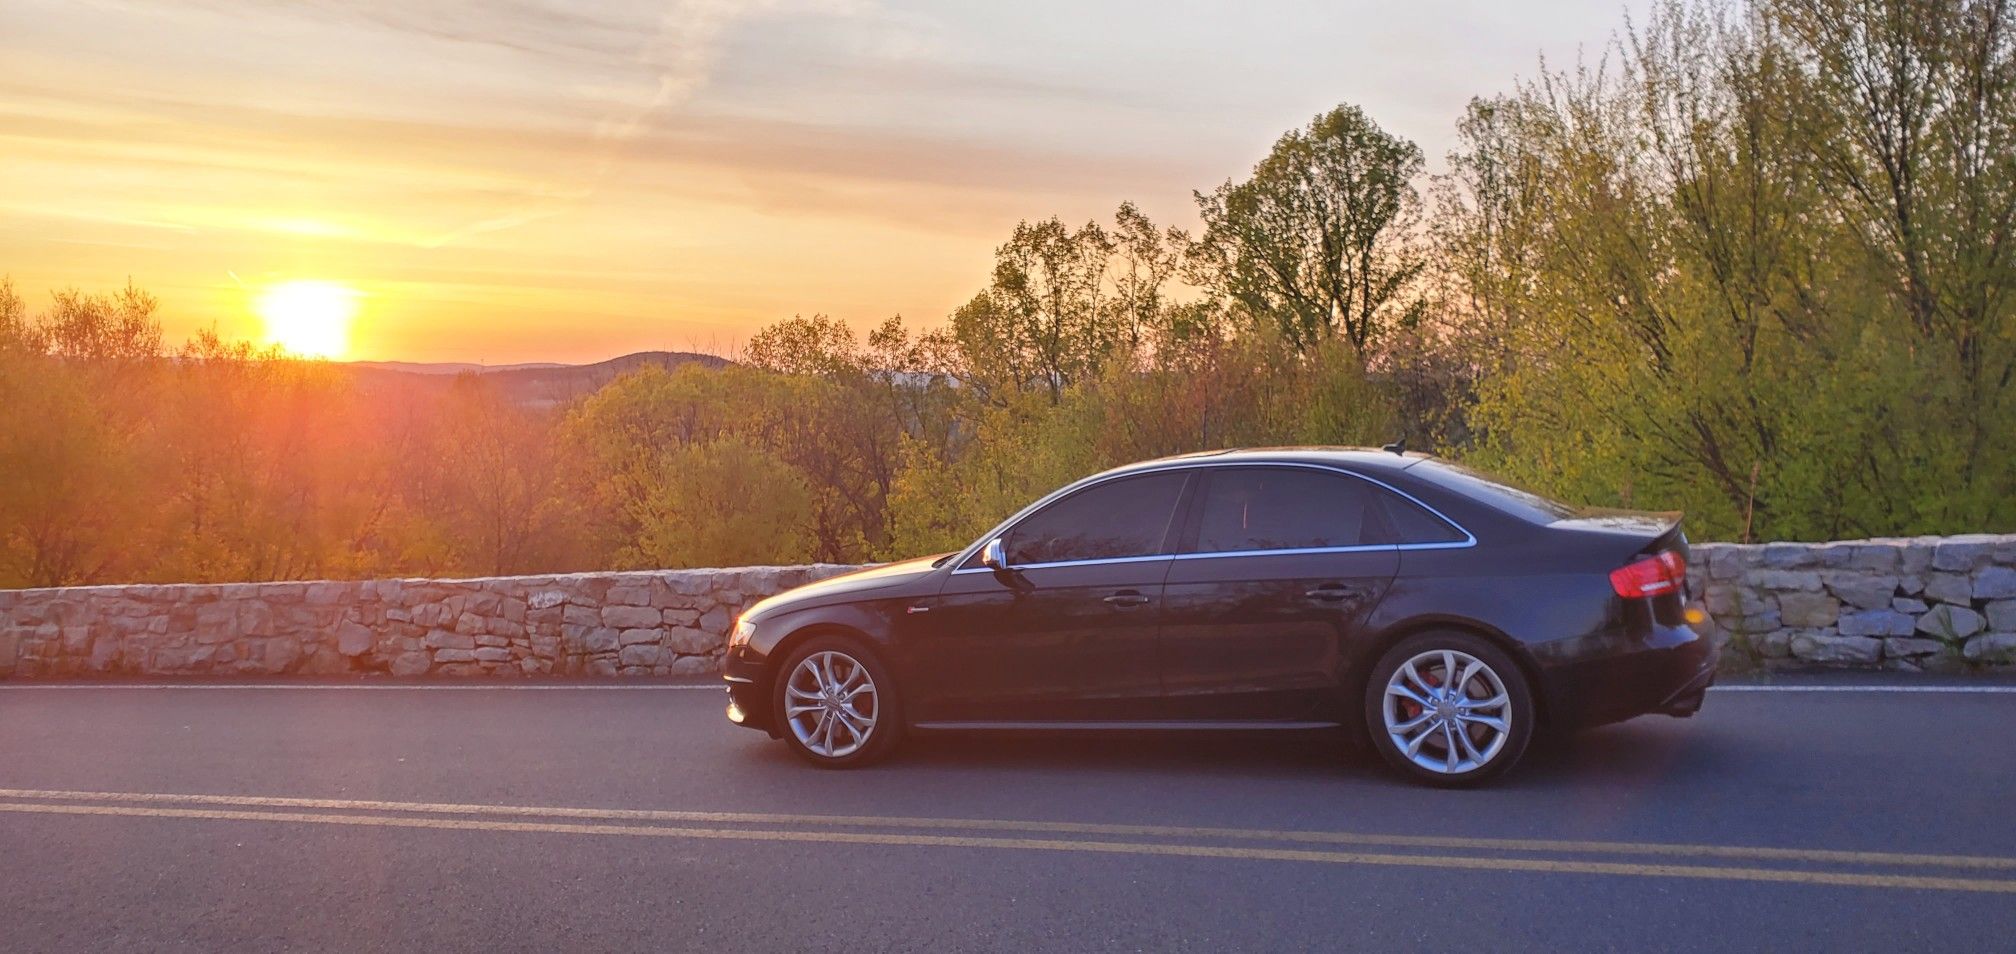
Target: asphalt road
{"x":638,"y":819}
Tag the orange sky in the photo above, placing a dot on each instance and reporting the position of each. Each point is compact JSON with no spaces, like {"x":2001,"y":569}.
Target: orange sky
{"x":529,"y":180}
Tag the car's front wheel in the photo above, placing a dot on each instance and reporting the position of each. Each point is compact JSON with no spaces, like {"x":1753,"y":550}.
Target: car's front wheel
{"x":837,"y":704}
{"x":1449,"y":708}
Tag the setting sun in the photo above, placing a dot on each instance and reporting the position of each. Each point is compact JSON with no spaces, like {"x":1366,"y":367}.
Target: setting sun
{"x":309,"y":318}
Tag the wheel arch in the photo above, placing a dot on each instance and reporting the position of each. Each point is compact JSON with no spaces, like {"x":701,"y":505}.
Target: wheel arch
{"x":1359,"y":674}
{"x":789,"y":643}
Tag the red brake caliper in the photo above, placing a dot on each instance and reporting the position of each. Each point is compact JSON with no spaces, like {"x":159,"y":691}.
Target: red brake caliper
{"x":1412,"y":708}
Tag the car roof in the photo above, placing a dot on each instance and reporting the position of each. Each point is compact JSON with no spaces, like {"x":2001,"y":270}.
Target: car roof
{"x":1363,"y":459}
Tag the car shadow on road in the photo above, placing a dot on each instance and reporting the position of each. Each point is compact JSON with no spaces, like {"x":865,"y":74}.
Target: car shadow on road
{"x":1639,"y":752}
{"x":1271,"y":754}
{"x":1677,"y":753}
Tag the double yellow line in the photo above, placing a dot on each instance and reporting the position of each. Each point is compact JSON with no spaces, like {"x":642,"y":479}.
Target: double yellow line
{"x":1659,"y":860}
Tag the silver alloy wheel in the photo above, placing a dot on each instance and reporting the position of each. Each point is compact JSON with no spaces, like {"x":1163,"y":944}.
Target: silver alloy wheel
{"x":830,"y":704}
{"x":1447,"y":711}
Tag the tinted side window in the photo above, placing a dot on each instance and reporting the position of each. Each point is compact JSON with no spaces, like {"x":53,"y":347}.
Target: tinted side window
{"x":1412,"y":524}
{"x":1119,"y":518}
{"x":1280,"y":508}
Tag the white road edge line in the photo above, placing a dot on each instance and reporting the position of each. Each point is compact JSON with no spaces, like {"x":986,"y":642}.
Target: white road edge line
{"x":716,"y":687}
{"x":1992,"y":690}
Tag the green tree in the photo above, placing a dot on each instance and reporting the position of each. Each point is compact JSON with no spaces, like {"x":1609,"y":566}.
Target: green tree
{"x":1016,"y":452}
{"x":76,"y":383}
{"x":1693,"y":285}
{"x":257,"y":468}
{"x":1063,"y":305}
{"x":1040,"y":324}
{"x":848,"y":421}
{"x":1318,"y":240}
{"x":724,"y":502}
{"x":496,"y":487}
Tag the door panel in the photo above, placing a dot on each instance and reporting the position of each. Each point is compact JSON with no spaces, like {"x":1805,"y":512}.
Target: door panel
{"x":1048,"y":643}
{"x":1280,"y":566}
{"x":1260,"y":637}
{"x":1068,"y":631}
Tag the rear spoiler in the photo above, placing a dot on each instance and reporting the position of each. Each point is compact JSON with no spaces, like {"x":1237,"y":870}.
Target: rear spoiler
{"x":1639,"y":531}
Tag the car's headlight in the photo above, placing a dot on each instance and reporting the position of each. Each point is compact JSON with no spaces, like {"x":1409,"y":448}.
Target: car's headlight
{"x":739,"y":636}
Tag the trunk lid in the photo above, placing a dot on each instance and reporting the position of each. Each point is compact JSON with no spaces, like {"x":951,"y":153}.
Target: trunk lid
{"x":1634,"y":531}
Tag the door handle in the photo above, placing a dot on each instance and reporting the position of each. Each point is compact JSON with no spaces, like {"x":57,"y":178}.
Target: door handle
{"x":1126,"y":598}
{"x":1329,"y":594}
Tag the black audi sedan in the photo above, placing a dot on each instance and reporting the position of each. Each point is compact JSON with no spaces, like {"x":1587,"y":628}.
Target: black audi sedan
{"x":1445,"y":615}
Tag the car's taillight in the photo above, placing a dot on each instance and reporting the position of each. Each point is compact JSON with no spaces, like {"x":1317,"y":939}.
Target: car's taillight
{"x":1664,"y":573}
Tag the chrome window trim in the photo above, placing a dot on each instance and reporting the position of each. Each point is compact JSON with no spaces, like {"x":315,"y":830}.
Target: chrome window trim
{"x":1288,"y":551}
{"x":1046,"y":566}
{"x":1469,"y":539}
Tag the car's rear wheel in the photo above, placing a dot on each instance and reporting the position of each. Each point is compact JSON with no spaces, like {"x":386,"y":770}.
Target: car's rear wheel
{"x":1449,"y":709}
{"x":836,"y":703}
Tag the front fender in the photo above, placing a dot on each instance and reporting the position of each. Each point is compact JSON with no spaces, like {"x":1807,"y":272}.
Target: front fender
{"x":874,"y":622}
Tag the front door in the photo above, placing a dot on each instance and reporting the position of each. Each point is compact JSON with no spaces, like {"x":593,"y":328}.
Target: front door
{"x":1278,"y":569}
{"x":1067,"y":632}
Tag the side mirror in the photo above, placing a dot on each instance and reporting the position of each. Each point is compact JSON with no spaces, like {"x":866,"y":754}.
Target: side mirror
{"x":994,"y":555}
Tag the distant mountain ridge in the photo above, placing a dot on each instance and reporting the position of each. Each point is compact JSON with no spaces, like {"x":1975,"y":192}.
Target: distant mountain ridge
{"x":453,"y":367}
{"x":540,"y":384}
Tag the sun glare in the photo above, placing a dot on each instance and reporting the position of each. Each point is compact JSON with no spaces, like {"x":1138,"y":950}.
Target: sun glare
{"x":309,"y":318}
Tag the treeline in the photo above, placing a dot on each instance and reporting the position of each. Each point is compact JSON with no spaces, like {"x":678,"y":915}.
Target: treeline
{"x":1755,"y":264}
{"x":1758,"y":266}
{"x":123,"y":460}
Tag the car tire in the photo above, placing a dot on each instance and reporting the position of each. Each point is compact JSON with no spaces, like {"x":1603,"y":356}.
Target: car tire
{"x":859,"y":722}
{"x":1416,"y":723}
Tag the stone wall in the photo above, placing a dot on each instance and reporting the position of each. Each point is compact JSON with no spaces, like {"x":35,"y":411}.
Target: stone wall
{"x":586,"y":624}
{"x":1931,"y":604}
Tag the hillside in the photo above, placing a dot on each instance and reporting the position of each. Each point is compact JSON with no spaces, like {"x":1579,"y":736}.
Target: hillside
{"x":534,"y":385}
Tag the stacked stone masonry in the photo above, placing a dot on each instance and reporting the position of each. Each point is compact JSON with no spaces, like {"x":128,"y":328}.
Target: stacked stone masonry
{"x":1920,"y":604}
{"x":586,"y":624}
{"x":1924,"y":604}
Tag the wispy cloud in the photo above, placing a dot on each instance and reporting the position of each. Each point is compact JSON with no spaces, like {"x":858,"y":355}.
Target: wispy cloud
{"x":631,"y":169}
{"x":682,"y":54}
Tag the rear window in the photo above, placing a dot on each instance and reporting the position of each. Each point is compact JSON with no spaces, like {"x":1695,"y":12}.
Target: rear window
{"x":1411,"y":524}
{"x":1496,"y":491}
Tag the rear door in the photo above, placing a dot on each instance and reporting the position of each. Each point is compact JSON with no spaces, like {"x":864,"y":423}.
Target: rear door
{"x":1277,"y":569}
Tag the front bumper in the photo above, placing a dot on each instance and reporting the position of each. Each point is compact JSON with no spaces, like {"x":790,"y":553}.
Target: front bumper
{"x":748,"y":694}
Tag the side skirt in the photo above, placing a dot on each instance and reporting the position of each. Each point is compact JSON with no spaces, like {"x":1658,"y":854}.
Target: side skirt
{"x":1171,"y":726}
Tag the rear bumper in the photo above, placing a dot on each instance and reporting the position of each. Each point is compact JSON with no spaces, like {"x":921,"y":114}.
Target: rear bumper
{"x":1687,"y":700}
{"x":1668,"y":671}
